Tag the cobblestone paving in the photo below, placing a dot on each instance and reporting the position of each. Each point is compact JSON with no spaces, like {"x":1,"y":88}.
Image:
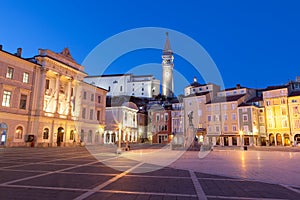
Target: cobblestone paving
{"x":73,"y":173}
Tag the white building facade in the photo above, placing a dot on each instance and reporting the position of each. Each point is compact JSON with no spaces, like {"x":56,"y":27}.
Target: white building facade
{"x":144,"y":86}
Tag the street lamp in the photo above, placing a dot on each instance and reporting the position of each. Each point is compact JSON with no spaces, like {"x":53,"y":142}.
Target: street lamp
{"x":119,"y":149}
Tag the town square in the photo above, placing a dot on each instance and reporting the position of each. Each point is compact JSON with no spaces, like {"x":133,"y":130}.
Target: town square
{"x":150,"y":100}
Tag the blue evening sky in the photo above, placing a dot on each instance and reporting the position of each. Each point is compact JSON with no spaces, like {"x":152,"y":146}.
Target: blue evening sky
{"x":254,"y":42}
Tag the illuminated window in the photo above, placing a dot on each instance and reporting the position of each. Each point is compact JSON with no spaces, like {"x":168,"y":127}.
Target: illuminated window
{"x":46,"y":134}
{"x":6,"y":98}
{"x":19,"y":132}
{"x":10,"y":73}
{"x":23,"y":101}
{"x":25,"y":77}
{"x":245,"y":129}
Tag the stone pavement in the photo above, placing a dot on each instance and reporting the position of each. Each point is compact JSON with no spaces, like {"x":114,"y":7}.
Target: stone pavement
{"x":76,"y":173}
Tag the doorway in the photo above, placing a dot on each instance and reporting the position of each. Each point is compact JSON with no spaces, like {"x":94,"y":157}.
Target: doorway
{"x":60,"y":136}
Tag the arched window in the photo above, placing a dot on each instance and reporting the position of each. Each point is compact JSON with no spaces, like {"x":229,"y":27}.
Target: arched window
{"x":72,"y":135}
{"x":46,"y":134}
{"x":19,"y":132}
{"x":82,"y":135}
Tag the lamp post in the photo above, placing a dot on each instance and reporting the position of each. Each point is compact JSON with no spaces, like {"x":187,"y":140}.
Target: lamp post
{"x":119,"y":149}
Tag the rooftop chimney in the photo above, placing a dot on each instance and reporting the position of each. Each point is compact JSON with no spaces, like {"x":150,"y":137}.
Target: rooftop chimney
{"x":1,"y":47}
{"x":19,"y":52}
{"x":238,"y":86}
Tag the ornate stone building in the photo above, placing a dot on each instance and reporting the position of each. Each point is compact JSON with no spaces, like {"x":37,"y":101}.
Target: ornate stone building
{"x":43,"y":101}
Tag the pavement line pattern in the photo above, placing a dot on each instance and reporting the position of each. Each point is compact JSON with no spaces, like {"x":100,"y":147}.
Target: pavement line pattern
{"x":200,"y":193}
{"x":52,"y":172}
{"x":149,"y":193}
{"x":241,"y":198}
{"x":99,"y":187}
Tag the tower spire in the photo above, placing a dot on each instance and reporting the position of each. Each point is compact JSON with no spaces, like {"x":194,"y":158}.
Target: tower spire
{"x":167,"y":47}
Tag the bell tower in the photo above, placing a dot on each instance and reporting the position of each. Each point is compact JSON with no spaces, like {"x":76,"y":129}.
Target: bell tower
{"x":167,"y":69}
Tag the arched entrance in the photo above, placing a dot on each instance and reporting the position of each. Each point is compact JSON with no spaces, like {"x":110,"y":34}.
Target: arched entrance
{"x":297,"y":139}
{"x":272,"y":139}
{"x":286,"y":139}
{"x":60,"y":135}
{"x":3,"y":133}
{"x":279,"y":139}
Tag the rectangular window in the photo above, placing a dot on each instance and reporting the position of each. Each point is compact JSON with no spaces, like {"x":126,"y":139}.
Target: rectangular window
{"x":262,"y":129}
{"x":25,"y":77}
{"x":92,"y":97}
{"x":209,"y":128}
{"x":166,"y":117}
{"x":224,"y":107}
{"x":261,"y":119}
{"x":10,"y":73}
{"x":99,"y":99}
{"x":233,"y":106}
{"x":83,"y":113}
{"x":209,"y":118}
{"x":234,"y":128}
{"x":245,"y":129}
{"x":208,"y":108}
{"x":91,"y":114}
{"x":157,"y":117}
{"x":84,"y":95}
{"x":233,"y":116}
{"x":217,"y":128}
{"x":296,"y":110}
{"x":297,"y":123}
{"x":6,"y":98}
{"x":47,"y":85}
{"x":225,"y":117}
{"x":98,"y":115}
{"x":283,"y":111}
{"x":245,"y":118}
{"x":284,"y":122}
{"x":23,"y":101}
{"x":225,"y":128}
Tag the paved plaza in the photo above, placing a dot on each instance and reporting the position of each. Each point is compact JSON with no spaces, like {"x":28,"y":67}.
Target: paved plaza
{"x":98,"y":173}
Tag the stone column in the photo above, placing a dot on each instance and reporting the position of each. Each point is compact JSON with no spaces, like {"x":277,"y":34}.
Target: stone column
{"x":110,"y":137}
{"x":104,"y":137}
{"x":57,"y":84}
{"x":69,"y":110}
{"x":275,"y":139}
